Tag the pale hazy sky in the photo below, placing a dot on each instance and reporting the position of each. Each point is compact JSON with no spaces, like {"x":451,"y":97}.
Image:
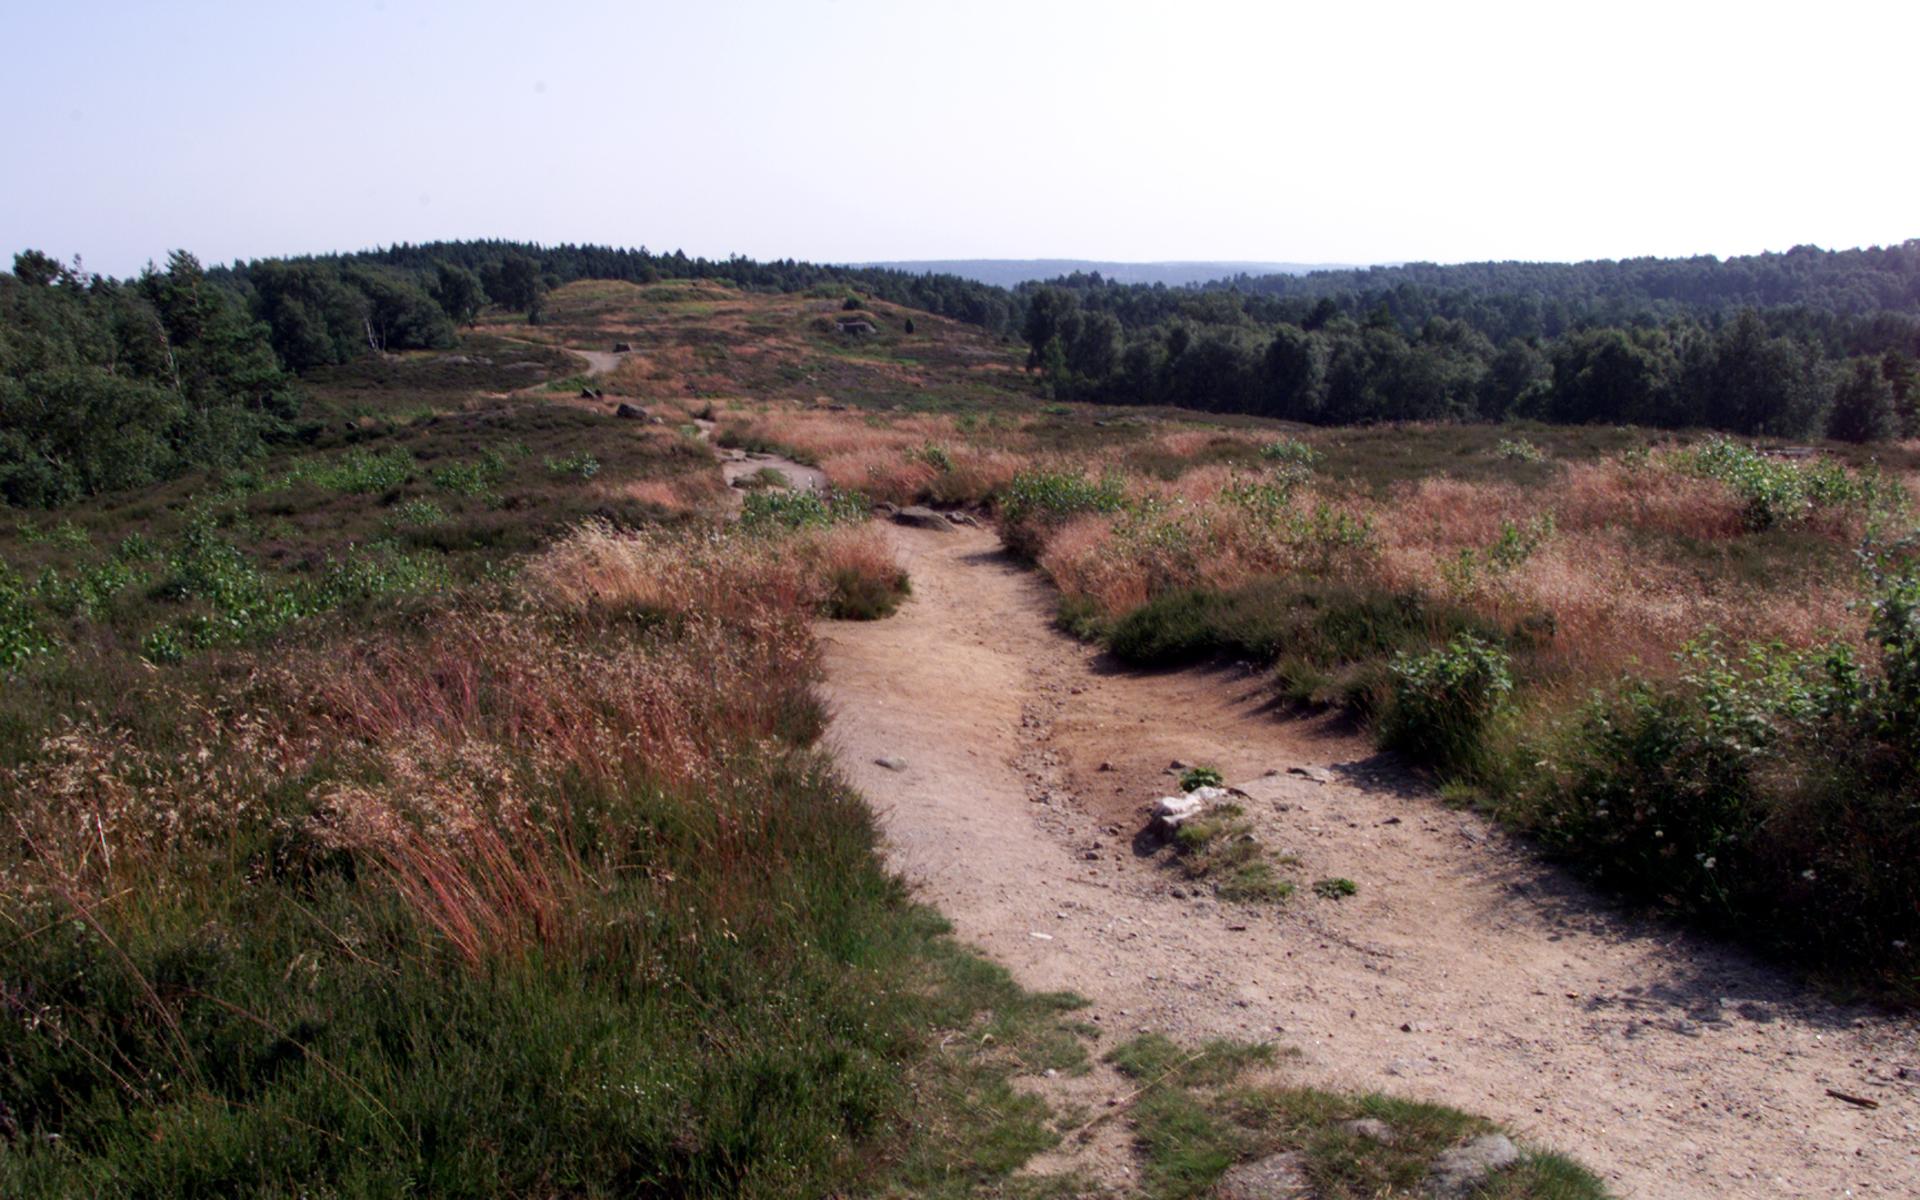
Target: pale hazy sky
{"x":832,"y":130}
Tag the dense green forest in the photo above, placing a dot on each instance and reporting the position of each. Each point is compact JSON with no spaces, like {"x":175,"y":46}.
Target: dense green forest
{"x":1792,"y":345}
{"x":107,"y":383}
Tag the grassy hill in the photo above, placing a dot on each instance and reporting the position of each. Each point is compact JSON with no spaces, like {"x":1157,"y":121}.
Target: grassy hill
{"x":433,"y":802}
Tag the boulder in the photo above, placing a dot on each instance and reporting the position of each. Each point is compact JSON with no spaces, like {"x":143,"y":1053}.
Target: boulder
{"x":622,"y":348}
{"x":1465,"y":1168}
{"x":1371,"y":1128}
{"x":921,"y":517}
{"x":589,"y":393}
{"x":1174,"y":811}
{"x":1275,"y":1177}
{"x":630,"y":412}
{"x":891,"y":763}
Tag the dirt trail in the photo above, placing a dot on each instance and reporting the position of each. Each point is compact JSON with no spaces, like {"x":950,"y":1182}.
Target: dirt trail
{"x":1462,"y":972}
{"x":599,"y":362}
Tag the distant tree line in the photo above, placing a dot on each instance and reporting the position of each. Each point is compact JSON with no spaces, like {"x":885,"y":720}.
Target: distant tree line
{"x":1540,"y":300}
{"x":992,"y":308}
{"x":114,"y":383}
{"x":1594,"y":343}
{"x":107,"y":384}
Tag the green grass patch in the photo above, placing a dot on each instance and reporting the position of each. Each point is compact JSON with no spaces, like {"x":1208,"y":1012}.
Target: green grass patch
{"x":1202,"y":1111}
{"x":1220,"y":848}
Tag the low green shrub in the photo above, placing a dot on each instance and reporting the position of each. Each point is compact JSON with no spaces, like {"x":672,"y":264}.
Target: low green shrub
{"x":1774,"y":792}
{"x":21,"y":637}
{"x":1443,"y":701}
{"x":1199,"y":777}
{"x":357,"y":471}
{"x":774,"y":510}
{"x":1290,"y":450}
{"x":474,"y":479}
{"x":418,"y":513}
{"x":1036,"y":501}
{"x":1781,"y":491}
{"x":580,"y":465}
{"x":1519,"y":450}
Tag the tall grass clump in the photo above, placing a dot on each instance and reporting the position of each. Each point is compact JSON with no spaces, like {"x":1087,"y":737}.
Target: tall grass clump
{"x":547,"y":897}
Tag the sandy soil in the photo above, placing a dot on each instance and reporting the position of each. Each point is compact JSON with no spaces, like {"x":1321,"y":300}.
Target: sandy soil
{"x":1462,"y":972}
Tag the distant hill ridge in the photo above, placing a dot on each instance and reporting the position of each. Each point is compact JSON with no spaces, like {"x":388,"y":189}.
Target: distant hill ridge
{"x":1011,"y":272}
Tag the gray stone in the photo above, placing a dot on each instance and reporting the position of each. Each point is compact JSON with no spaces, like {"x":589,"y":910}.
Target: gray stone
{"x":891,"y":763}
{"x":1371,"y":1128}
{"x":630,"y":412}
{"x":1317,"y":774}
{"x":1275,"y":1177}
{"x":921,"y":517}
{"x":1457,"y":1172}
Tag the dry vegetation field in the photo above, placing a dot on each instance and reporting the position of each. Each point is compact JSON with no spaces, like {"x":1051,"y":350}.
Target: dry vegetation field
{"x":435,"y":807}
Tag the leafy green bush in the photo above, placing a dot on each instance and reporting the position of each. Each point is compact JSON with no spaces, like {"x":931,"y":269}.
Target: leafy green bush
{"x":1781,"y":491}
{"x":476,"y":479}
{"x":1268,"y":497}
{"x":234,"y":601}
{"x":581,"y":465}
{"x":1443,"y":701}
{"x":1774,"y":792}
{"x":776,"y":510}
{"x":1199,"y":777}
{"x":358,"y":471}
{"x":1290,"y":450}
{"x":418,"y":513}
{"x":1517,"y":543}
{"x":1520,"y":450}
{"x":20,"y":635}
{"x":1035,"y":501}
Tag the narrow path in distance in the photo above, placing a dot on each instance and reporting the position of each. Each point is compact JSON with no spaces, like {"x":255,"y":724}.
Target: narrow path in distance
{"x":1463,"y":971}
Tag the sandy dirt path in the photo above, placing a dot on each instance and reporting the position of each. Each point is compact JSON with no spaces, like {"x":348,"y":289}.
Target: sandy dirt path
{"x":1462,"y":972}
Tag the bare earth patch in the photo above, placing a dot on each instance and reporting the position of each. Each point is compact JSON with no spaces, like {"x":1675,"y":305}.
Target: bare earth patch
{"x":1461,"y":970}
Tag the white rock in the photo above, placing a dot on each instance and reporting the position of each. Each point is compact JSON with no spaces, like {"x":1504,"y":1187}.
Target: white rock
{"x":1175,"y":811}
